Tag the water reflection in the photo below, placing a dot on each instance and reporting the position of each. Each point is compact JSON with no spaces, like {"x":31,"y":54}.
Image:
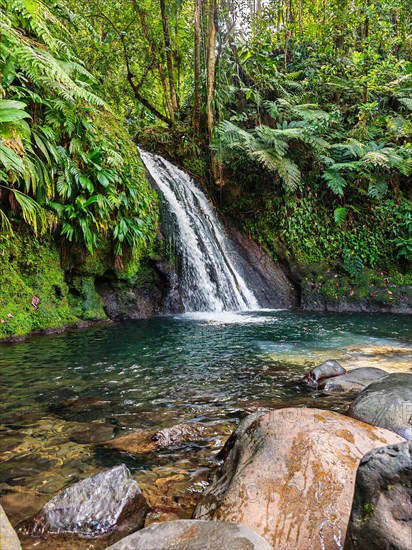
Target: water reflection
{"x":65,"y":395}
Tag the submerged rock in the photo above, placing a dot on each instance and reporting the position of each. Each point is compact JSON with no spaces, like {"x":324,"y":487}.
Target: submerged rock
{"x":146,"y":442}
{"x":381,"y":515}
{"x":94,"y":507}
{"x":168,"y":437}
{"x":193,"y":535}
{"x":386,"y":403}
{"x":290,"y":477}
{"x":325,"y":370}
{"x":83,"y":408}
{"x":355,"y":380}
{"x":8,"y":537}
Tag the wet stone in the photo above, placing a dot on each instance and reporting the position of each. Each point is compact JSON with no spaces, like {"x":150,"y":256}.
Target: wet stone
{"x":353,"y":381}
{"x":8,"y":537}
{"x":96,"y":506}
{"x":289,"y":475}
{"x":381,"y":514}
{"x":141,"y":442}
{"x":386,"y":403}
{"x":83,"y":409}
{"x":193,"y":535}
{"x":327,"y":369}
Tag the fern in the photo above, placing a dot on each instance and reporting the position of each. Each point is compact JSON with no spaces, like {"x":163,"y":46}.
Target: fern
{"x":340,"y":215}
{"x":335,"y":182}
{"x":378,"y":190}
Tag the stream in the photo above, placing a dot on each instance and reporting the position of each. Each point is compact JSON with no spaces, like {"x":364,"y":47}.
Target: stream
{"x":65,"y":395}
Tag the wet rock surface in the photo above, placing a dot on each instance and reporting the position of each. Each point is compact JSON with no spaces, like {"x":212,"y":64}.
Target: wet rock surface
{"x":327,"y":369}
{"x":96,"y":506}
{"x":381,"y":516}
{"x":290,"y":477}
{"x":144,"y":442}
{"x":386,"y":403}
{"x":8,"y":537}
{"x":193,"y":535}
{"x":270,"y":284}
{"x":353,"y":381}
{"x":157,"y":293}
{"x":380,"y":300}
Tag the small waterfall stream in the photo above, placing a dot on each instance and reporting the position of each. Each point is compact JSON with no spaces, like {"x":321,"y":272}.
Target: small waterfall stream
{"x":208,"y":278}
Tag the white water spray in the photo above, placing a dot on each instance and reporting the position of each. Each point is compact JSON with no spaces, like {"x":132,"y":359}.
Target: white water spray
{"x":208,"y":278}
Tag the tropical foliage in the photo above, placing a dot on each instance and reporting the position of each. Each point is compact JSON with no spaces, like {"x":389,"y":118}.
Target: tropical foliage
{"x":66,"y":163}
{"x":299,"y":110}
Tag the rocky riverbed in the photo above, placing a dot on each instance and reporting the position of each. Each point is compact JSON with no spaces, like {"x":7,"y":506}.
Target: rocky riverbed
{"x":285,"y":478}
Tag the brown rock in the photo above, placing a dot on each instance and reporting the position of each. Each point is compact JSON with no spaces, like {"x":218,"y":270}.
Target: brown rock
{"x":8,"y":537}
{"x":290,"y":477}
{"x":146,"y":442}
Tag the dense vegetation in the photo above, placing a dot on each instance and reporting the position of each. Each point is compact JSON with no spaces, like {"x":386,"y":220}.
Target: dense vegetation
{"x":296,"y":114}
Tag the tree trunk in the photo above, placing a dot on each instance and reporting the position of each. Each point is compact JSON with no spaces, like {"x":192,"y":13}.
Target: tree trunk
{"x":169,"y":57}
{"x":153,"y":47}
{"x":211,"y":65}
{"x":197,"y":60}
{"x":211,"y":77}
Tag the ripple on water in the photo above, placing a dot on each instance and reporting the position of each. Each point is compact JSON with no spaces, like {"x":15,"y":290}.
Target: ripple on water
{"x":65,"y":395}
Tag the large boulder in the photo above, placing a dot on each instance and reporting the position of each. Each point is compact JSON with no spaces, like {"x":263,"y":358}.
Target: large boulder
{"x":386,"y":403}
{"x":193,"y":535}
{"x":8,"y":537}
{"x":290,"y":477}
{"x":353,"y":381}
{"x":107,"y":502}
{"x":381,"y":515}
{"x":327,"y":369}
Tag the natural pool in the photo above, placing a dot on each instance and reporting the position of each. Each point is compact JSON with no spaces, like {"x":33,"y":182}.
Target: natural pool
{"x":65,"y":395}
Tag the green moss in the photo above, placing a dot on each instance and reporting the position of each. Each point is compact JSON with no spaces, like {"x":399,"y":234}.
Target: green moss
{"x":84,"y":300}
{"x":34,"y":293}
{"x":368,"y":509}
{"x":37,"y":292}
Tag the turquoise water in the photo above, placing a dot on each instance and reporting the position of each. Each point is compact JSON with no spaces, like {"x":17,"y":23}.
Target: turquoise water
{"x":63,"y":396}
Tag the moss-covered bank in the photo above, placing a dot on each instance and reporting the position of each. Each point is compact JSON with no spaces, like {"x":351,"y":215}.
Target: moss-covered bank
{"x":43,"y":289}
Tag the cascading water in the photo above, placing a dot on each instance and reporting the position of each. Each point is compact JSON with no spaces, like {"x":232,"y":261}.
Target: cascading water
{"x":208,"y":278}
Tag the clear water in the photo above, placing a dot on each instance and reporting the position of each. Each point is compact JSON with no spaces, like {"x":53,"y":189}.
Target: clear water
{"x":65,"y":395}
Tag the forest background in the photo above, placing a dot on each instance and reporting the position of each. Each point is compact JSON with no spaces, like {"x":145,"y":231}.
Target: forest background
{"x":295,"y":116}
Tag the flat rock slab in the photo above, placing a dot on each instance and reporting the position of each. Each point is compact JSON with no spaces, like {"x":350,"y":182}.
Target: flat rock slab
{"x":381,"y":515}
{"x":8,"y":536}
{"x":193,"y":535}
{"x":290,"y":477}
{"x":94,"y":507}
{"x":386,"y":403}
{"x":355,"y":380}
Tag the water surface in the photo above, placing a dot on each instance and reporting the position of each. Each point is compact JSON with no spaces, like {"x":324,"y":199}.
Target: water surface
{"x":64,"y":396}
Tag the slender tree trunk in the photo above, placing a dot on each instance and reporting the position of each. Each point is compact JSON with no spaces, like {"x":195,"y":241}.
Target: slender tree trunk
{"x":153,"y":47}
{"x":365,"y":92}
{"x":211,"y":77}
{"x":169,"y":57}
{"x":197,"y":60}
{"x":211,"y":65}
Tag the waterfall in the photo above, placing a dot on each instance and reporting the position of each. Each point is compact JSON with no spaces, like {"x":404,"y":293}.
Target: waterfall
{"x":209,"y":279}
